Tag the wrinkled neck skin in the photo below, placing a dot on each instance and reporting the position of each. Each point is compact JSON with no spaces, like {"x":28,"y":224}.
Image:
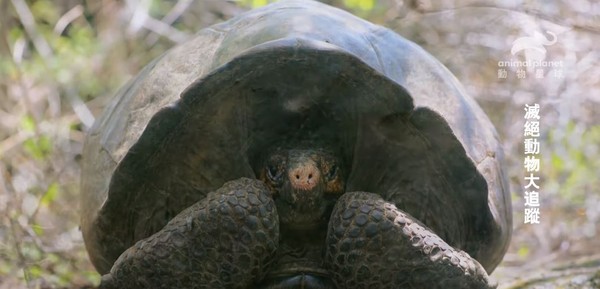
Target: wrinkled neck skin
{"x":305,"y":183}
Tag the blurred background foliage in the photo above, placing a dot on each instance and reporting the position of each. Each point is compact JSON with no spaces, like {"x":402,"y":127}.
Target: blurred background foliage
{"x":61,"y":61}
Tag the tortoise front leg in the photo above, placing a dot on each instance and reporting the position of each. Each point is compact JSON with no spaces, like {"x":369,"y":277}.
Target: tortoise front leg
{"x":373,"y":244}
{"x":224,"y":241}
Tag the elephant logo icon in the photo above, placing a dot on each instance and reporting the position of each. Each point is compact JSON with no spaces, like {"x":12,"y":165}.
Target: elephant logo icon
{"x":533,"y":46}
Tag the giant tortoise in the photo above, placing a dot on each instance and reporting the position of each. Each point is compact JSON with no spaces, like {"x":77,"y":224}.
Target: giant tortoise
{"x":294,"y":146}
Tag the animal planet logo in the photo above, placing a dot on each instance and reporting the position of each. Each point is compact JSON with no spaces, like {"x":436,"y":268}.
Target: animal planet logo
{"x":534,"y":51}
{"x":533,"y":46}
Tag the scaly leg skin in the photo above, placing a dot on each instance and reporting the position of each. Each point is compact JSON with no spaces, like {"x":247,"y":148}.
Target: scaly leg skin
{"x":224,"y":241}
{"x":373,"y":244}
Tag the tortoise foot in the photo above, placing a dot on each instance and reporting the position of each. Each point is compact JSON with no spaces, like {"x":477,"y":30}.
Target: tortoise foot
{"x":224,"y":241}
{"x":373,"y":244}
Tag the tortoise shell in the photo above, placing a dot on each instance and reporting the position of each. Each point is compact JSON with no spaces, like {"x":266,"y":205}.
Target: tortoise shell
{"x":294,"y":72}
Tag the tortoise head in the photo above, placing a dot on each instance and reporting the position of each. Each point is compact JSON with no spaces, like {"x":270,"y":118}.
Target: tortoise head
{"x":305,"y":184}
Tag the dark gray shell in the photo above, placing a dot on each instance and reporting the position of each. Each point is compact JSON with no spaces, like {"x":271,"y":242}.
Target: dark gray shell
{"x":294,"y":72}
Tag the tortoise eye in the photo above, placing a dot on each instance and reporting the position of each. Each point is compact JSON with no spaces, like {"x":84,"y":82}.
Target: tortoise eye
{"x":273,"y":173}
{"x":332,"y":172}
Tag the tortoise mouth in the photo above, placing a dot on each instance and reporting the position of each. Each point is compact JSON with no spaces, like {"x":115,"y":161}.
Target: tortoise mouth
{"x":296,"y":218}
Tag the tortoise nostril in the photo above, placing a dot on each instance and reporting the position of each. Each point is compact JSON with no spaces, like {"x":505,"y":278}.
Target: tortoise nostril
{"x":304,"y":177}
